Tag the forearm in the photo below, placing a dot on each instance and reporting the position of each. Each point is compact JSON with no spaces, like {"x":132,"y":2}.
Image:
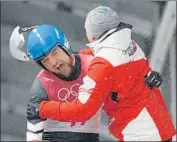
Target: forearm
{"x":69,"y":112}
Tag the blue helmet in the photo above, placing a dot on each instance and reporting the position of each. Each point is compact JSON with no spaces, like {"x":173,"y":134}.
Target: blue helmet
{"x":43,"y":38}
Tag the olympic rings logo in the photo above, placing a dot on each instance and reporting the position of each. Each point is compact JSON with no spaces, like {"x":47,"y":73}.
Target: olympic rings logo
{"x":69,"y":95}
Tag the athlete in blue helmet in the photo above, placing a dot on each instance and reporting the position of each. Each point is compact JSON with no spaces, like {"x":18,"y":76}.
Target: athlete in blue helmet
{"x":59,"y":80}
{"x":45,"y":39}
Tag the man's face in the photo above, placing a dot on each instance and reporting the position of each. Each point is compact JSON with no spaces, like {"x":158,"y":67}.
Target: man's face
{"x":58,"y":62}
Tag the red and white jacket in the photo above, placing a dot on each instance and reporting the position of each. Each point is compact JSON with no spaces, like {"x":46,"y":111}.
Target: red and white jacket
{"x":119,"y":65}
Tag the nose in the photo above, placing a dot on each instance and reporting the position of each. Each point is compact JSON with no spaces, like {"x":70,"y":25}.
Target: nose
{"x":53,"y":62}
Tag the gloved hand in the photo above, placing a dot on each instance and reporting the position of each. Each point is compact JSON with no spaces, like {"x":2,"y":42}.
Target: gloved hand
{"x":33,"y":108}
{"x":153,"y":80}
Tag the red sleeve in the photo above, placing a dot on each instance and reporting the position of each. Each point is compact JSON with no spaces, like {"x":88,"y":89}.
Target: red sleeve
{"x":100,"y":72}
{"x":87,"y":51}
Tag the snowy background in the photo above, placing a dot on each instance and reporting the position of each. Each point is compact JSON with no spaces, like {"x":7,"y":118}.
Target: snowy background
{"x":16,"y":76}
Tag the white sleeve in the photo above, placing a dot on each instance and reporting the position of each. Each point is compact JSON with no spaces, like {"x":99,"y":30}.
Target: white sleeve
{"x":35,"y":129}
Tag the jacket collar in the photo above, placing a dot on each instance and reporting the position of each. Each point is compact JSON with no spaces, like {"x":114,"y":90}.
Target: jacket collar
{"x":97,"y":45}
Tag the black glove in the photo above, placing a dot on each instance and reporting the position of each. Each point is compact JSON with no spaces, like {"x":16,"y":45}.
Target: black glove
{"x":33,"y":108}
{"x":154,"y":79}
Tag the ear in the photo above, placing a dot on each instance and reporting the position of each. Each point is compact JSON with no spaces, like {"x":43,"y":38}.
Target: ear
{"x":94,"y":38}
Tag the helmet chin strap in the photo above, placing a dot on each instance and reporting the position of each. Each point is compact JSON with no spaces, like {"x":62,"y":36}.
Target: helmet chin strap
{"x":17,"y":42}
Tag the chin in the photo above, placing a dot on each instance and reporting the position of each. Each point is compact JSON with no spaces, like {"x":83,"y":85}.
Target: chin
{"x":64,"y":75}
{"x":67,"y":75}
